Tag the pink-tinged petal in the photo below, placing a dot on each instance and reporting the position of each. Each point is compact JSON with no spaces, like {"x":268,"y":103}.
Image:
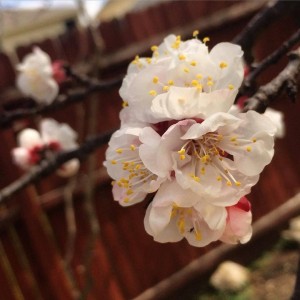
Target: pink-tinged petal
{"x":21,"y":157}
{"x":183,"y":102}
{"x":238,"y":228}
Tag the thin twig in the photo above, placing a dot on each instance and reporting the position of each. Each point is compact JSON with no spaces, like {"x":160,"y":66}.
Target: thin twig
{"x":271,"y":59}
{"x":8,"y":117}
{"x":47,"y":167}
{"x":286,"y":79}
{"x":259,"y":22}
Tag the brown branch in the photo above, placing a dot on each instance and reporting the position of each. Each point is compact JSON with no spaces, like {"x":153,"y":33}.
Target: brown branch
{"x":259,"y":22}
{"x":274,"y":220}
{"x":8,"y":117}
{"x":271,"y":59}
{"x":285,"y":80}
{"x":47,"y":167}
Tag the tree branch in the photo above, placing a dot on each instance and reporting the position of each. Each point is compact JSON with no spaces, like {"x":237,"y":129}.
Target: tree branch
{"x":8,"y":117}
{"x":271,"y":59}
{"x":260,"y":21}
{"x":286,"y":79}
{"x":46,"y":167}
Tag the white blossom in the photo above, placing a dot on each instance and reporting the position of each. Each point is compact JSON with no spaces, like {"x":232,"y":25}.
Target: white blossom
{"x":174,"y":66}
{"x":53,"y":137}
{"x":133,"y":180}
{"x":176,"y":213}
{"x":35,"y":78}
{"x":219,"y":159}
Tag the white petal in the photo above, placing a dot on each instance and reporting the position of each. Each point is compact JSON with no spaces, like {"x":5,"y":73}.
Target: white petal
{"x":28,"y":138}
{"x":69,"y":169}
{"x":214,"y":216}
{"x":212,"y":124}
{"x":180,"y":103}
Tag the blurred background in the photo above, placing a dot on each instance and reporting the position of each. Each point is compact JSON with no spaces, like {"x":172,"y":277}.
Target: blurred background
{"x":63,"y":239}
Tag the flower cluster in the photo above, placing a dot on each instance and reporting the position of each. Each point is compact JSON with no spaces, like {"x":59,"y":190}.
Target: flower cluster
{"x":39,"y":78}
{"x":179,"y":140}
{"x":53,"y":137}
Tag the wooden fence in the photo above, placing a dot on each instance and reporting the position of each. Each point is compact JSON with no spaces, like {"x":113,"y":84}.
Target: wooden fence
{"x":117,"y":259}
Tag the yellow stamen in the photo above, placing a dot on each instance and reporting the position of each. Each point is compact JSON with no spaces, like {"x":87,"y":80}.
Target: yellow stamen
{"x":193,"y":63}
{"x":166,"y":88}
{"x":132,"y":147}
{"x":155,"y":79}
{"x":254,"y":140}
{"x":195,"y":33}
{"x":194,"y":82}
{"x":181,"y":225}
{"x":129,"y":192}
{"x":113,"y":162}
{"x":170,"y":82}
{"x":228,"y":183}
{"x":152,"y":93}
{"x":181,"y":57}
{"x":186,"y":70}
{"x":248,"y":149}
{"x":124,"y":104}
{"x":206,"y":39}
{"x":154,"y":48}
{"x":223,"y":65}
{"x":237,"y":183}
{"x":119,"y":151}
{"x":230,"y":86}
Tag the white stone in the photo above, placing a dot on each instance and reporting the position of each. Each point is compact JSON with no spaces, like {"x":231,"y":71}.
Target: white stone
{"x":229,"y":276}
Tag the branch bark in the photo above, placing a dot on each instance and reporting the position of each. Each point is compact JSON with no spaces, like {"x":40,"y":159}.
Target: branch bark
{"x":46,"y":167}
{"x":271,"y":59}
{"x":7,"y":118}
{"x":286,"y":79}
{"x":260,"y":21}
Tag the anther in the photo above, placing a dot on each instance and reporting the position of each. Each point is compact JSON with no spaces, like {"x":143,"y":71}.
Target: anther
{"x":195,"y":33}
{"x":152,"y":93}
{"x":155,"y":79}
{"x":206,"y":39}
{"x":223,"y":64}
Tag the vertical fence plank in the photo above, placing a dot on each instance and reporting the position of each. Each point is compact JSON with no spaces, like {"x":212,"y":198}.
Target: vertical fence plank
{"x":10,"y":275}
{"x":45,"y":251}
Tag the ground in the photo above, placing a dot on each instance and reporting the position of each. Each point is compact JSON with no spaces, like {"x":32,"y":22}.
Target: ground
{"x":272,"y":278}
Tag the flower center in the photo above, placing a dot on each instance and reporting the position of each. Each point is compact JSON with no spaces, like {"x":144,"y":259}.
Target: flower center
{"x":205,"y":152}
{"x":187,"y":220}
{"x":136,"y":174}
